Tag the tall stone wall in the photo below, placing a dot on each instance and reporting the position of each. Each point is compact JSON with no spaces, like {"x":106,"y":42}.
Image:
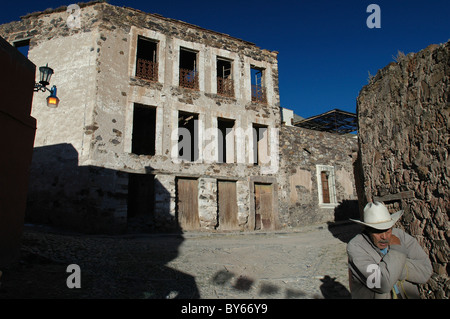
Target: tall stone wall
{"x":404,"y":140}
{"x":302,"y":153}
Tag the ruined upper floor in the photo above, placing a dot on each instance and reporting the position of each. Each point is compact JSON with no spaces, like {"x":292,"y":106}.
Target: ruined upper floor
{"x":160,"y":49}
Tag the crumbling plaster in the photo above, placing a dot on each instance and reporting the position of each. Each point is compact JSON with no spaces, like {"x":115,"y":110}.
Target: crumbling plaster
{"x":93,"y":126}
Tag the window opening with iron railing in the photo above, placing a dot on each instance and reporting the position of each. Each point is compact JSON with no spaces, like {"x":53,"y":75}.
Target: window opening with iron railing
{"x":225,"y":84}
{"x":146,"y":60}
{"x":257,"y":84}
{"x":188,"y":69}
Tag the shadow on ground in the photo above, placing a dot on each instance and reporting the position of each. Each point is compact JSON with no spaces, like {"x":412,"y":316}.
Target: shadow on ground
{"x":111,"y":268}
{"x":330,"y":288}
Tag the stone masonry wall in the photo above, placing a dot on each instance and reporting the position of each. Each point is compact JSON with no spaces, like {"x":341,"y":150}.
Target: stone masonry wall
{"x":404,"y":139}
{"x":83,"y":148}
{"x":301,"y":150}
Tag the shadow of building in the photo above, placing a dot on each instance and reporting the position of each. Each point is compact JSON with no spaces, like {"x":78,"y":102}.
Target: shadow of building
{"x":84,"y":200}
{"x":94,"y":199}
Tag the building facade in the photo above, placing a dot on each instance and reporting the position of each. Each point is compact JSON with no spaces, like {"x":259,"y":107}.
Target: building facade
{"x":154,"y":113}
{"x":161,"y":125}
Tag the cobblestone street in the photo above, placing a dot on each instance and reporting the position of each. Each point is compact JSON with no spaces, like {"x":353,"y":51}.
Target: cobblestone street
{"x":304,"y":263}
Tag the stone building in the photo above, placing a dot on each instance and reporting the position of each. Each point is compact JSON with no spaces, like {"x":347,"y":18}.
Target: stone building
{"x":163,"y":124}
{"x":404,"y":131}
{"x":153,"y":112}
{"x":317,"y":157}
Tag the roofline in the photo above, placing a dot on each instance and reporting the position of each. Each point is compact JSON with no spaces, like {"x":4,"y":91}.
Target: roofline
{"x":323,"y":121}
{"x":61,"y":9}
{"x":156,"y":15}
{"x":320,"y":115}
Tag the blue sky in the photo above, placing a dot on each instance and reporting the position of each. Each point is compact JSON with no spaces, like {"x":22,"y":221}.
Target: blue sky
{"x":326,"y":51}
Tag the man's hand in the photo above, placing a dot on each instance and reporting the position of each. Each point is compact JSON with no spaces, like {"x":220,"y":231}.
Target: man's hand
{"x":394,"y":240}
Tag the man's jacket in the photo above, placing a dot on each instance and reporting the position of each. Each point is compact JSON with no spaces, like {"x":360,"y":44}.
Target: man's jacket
{"x":373,"y":275}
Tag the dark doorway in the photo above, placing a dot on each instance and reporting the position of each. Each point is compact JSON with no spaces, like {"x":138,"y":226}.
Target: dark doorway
{"x":141,"y":201}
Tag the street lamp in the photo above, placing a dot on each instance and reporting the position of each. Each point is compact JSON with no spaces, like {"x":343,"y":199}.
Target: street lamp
{"x":45,"y":73}
{"x":52,"y":99}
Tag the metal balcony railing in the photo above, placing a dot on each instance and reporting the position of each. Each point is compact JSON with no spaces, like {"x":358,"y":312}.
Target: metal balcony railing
{"x":259,"y":94}
{"x":189,"y":79}
{"x":225,"y":87}
{"x":147,"y":70}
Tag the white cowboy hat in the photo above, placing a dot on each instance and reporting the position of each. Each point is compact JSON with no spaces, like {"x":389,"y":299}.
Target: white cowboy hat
{"x":377,"y":216}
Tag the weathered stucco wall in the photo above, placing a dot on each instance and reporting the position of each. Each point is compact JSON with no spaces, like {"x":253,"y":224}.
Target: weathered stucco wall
{"x":72,"y":54}
{"x":301,"y":151}
{"x":84,"y":147}
{"x":404,"y":131}
{"x":84,"y":168}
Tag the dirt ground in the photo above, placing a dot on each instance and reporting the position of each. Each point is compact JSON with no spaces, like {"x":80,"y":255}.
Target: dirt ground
{"x":302,"y":263}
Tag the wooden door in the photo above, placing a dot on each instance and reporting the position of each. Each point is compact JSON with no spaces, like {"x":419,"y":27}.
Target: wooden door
{"x":263,"y":206}
{"x":227,"y":205}
{"x":325,"y":188}
{"x":187,"y":204}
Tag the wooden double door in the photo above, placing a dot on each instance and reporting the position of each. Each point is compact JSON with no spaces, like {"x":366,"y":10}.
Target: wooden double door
{"x":187,"y":204}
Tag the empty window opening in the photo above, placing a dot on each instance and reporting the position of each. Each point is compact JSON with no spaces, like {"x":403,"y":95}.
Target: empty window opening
{"x":144,"y":130}
{"x":260,"y":145}
{"x":146,"y":59}
{"x":225,"y":140}
{"x":257,"y":84}
{"x":225,"y":85}
{"x":23,"y":46}
{"x":188,"y":69}
{"x":141,"y":201}
{"x":188,"y":136}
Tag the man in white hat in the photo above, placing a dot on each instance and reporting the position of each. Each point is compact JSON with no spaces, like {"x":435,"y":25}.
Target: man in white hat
{"x":385,"y":262}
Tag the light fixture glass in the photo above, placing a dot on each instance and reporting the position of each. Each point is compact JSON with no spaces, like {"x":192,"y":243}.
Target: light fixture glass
{"x":45,"y":73}
{"x":52,"y":99}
